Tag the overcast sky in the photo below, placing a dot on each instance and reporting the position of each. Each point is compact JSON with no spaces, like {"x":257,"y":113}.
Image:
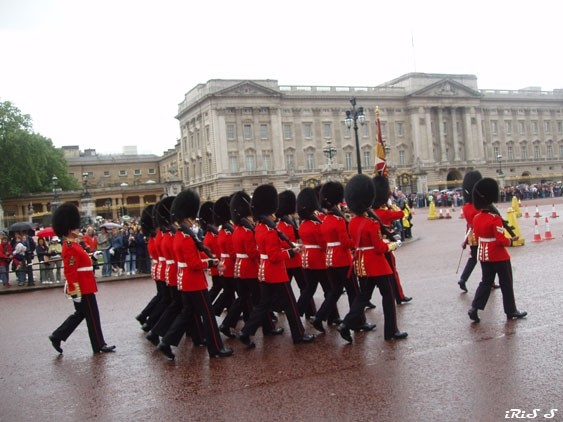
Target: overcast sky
{"x":111,"y":73}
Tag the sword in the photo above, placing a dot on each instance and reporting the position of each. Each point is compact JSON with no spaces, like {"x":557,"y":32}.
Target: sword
{"x":459,"y":263}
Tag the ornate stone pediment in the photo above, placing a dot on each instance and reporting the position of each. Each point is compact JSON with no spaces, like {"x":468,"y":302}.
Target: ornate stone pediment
{"x":247,"y":88}
{"x":447,"y":88}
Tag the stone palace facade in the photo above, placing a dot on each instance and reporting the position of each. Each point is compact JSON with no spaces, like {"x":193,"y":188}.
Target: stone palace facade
{"x":238,"y":134}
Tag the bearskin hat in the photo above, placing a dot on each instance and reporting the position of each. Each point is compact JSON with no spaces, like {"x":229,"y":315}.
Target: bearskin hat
{"x":161,"y":212}
{"x":382,"y":191}
{"x":469,"y":181}
{"x":185,"y":205}
{"x":240,"y":206}
{"x":147,"y":226}
{"x":65,"y":219}
{"x":359,"y":193}
{"x":206,"y":213}
{"x":287,"y":203}
{"x":222,"y":211}
{"x":331,"y":194}
{"x":485,"y":192}
{"x":307,"y":203}
{"x":264,"y":200}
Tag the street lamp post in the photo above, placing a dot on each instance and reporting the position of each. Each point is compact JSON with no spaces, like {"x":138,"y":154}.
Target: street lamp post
{"x":85,"y":193}
{"x":352,"y":117}
{"x":500,"y":172}
{"x":329,"y":151}
{"x":56,"y":199}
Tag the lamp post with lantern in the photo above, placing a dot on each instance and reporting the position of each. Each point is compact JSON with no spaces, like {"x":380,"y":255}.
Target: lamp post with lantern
{"x":353,"y":116}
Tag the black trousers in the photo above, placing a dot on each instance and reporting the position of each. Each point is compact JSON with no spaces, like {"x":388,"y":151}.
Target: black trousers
{"x":170,"y":313}
{"x":356,"y":316}
{"x":216,"y":287}
{"x":248,"y":292}
{"x":227,"y":296}
{"x":471,"y":263}
{"x":161,"y":305}
{"x":339,"y":278}
{"x":270,"y":295}
{"x":299,"y":275}
{"x":306,"y":301}
{"x":504,"y":271}
{"x":86,"y":309}
{"x":152,"y":303}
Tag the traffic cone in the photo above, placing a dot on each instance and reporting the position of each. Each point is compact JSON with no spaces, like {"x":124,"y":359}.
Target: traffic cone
{"x":553,"y":212}
{"x":448,"y":215}
{"x":537,"y":214}
{"x":537,"y":235}
{"x":441,"y":214}
{"x":513,"y":222}
{"x":526,"y":213}
{"x":432,"y":211}
{"x":516,"y":207}
{"x":548,"y":235}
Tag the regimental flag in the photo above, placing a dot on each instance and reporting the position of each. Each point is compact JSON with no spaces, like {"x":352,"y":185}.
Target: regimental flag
{"x":380,"y":159}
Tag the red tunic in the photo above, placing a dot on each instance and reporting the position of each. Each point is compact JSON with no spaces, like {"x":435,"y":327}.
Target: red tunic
{"x":160,"y":271}
{"x":469,"y":212}
{"x":227,"y":255}
{"x":369,"y":255}
{"x":153,"y":255}
{"x":489,"y":232}
{"x":78,"y":269}
{"x":191,"y":264}
{"x":247,"y":256}
{"x":272,"y":255}
{"x":387,"y":216}
{"x":166,"y":246}
{"x":288,"y":230}
{"x":210,"y":240}
{"x":338,"y":242}
{"x":314,"y":246}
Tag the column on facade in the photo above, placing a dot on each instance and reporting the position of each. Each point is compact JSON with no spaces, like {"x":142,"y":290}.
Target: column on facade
{"x":415,"y":133}
{"x":278,"y":158}
{"x":468,"y":140}
{"x":429,"y":140}
{"x":441,"y":136}
{"x":480,"y":150}
{"x":455,"y":139}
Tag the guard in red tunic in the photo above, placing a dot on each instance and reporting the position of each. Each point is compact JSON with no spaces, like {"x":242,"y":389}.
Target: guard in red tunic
{"x":370,"y":264}
{"x":192,"y":263}
{"x":386,"y":215}
{"x":469,"y":212}
{"x":492,"y":253}
{"x":210,"y":240}
{"x":80,"y":282}
{"x":222,"y":219}
{"x":274,"y":287}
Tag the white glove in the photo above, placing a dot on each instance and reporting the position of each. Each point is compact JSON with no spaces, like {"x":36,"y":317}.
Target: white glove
{"x":76,"y":299}
{"x":392,"y":246}
{"x":97,"y":254}
{"x":111,"y":251}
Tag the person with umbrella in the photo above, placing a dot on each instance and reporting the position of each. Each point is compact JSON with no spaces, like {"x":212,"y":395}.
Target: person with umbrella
{"x":81,"y":283}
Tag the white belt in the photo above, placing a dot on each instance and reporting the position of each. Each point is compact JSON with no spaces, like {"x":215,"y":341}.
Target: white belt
{"x":161,"y":258}
{"x":182,"y":265}
{"x":225,"y":255}
{"x":170,"y":261}
{"x":154,"y":261}
{"x":487,"y":239}
{"x":365,"y":248}
{"x":85,"y":269}
{"x":332,"y":244}
{"x":242,"y":255}
{"x":311,"y":247}
{"x":263,"y":256}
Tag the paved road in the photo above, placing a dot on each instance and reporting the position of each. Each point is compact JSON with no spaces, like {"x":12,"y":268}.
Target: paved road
{"x":447,"y":370}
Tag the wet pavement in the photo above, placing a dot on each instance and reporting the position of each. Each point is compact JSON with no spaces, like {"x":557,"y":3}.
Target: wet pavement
{"x":448,"y":369}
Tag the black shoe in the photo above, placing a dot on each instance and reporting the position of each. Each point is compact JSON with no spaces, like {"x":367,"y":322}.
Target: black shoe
{"x":307,"y":338}
{"x":223,"y":353}
{"x":141,"y":319}
{"x":146,"y":327}
{"x":56,"y":343}
{"x":318,"y":324}
{"x":366,"y":326}
{"x":274,"y":332}
{"x":336,"y":321}
{"x":107,"y":349}
{"x":397,"y":336}
{"x":405,"y":300}
{"x":167,"y":350}
{"x":245,"y":339}
{"x":462,"y":285}
{"x":153,"y":338}
{"x":473,"y":314}
{"x":226,"y":331}
{"x":517,"y":315}
{"x":495,"y":286}
{"x":344,"y":333}
{"x":370,"y":305}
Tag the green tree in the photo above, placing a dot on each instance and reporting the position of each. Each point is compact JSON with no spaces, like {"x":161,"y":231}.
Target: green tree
{"x":28,"y":160}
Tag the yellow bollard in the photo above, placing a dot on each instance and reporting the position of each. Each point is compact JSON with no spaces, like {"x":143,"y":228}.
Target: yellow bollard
{"x":513,"y":221}
{"x":516,"y":207}
{"x":432,"y":215}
